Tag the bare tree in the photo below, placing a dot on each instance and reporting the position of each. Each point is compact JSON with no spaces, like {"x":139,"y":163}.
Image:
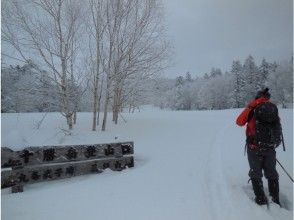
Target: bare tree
{"x":125,"y":44}
{"x":112,"y":16}
{"x":140,"y":51}
{"x":96,"y":29}
{"x":45,"y":31}
{"x":135,"y":49}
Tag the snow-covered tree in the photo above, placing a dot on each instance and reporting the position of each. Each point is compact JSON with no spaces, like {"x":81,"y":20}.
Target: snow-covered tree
{"x":264,"y":69}
{"x":239,"y":83}
{"x":46,"y":31}
{"x":26,"y":90}
{"x":281,"y":84}
{"x":188,"y":77}
{"x":251,"y":75}
{"x":215,"y":72}
{"x":232,"y":89}
{"x":135,"y":50}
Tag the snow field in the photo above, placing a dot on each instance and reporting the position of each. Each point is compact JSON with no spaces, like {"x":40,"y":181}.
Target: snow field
{"x":188,"y":165}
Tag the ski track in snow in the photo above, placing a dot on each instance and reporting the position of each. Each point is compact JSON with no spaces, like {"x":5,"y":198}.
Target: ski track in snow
{"x":218,"y":188}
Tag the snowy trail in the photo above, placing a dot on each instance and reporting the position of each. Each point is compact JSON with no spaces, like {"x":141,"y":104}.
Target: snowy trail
{"x":188,"y":165}
{"x":222,"y":204}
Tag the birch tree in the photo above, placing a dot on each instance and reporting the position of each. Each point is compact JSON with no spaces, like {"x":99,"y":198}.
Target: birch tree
{"x":139,"y":47}
{"x":96,"y":27}
{"x":45,"y":31}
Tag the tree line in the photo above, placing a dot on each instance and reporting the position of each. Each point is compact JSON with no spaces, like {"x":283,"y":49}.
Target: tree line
{"x":105,"y":49}
{"x":231,"y":89}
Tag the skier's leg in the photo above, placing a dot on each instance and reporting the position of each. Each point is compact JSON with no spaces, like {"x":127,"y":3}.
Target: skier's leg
{"x":271,"y":174}
{"x":269,"y":164}
{"x":257,"y":186}
{"x":273,"y":187}
{"x":255,"y":160}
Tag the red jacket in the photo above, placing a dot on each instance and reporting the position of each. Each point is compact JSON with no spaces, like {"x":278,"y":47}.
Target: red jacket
{"x":245,"y":114}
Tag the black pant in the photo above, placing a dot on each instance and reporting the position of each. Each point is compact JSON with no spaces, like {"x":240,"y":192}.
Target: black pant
{"x":262,"y":159}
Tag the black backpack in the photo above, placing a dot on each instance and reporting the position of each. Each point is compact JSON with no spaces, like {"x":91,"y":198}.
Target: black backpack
{"x":268,"y":126}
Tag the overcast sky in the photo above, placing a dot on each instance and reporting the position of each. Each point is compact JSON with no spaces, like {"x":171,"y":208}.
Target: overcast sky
{"x":213,"y":33}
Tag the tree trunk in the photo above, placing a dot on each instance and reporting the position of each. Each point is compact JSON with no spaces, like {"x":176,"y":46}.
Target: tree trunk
{"x":94,"y":109}
{"x":98,"y":117}
{"x":75,"y":117}
{"x":69,"y":121}
{"x":94,"y":121}
{"x":116,"y":117}
{"x":115,"y":103}
{"x":96,"y":83}
{"x":99,"y":103}
{"x":66,"y":111}
{"x":105,"y":111}
{"x":113,"y":113}
{"x":107,"y":95}
{"x":65,"y":103}
{"x":117,"y":110}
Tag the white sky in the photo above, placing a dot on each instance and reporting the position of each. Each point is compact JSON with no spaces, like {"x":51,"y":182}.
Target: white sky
{"x":212,"y":33}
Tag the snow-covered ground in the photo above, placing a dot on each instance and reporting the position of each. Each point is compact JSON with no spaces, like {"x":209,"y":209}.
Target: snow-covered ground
{"x":188,"y":165}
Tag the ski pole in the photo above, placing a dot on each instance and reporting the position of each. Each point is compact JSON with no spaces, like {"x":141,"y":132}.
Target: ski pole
{"x":285,"y":170}
{"x":284,"y":148}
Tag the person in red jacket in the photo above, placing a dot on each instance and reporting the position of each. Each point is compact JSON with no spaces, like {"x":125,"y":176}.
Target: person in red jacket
{"x":259,"y":157}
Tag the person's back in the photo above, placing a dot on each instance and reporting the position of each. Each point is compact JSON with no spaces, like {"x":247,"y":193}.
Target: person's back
{"x":263,"y":135}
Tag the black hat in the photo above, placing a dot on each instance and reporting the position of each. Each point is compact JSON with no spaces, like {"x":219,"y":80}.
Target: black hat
{"x":265,"y":93}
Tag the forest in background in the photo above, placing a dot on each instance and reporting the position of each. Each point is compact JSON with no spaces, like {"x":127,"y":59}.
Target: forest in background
{"x":230,"y":89}
{"x":26,"y":90}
